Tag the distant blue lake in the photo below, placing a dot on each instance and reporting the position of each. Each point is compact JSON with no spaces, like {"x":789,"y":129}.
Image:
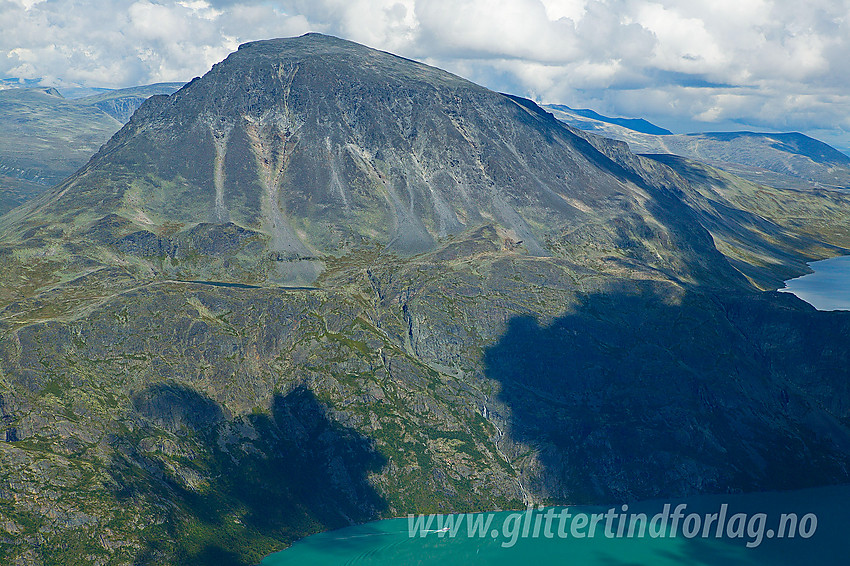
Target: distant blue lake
{"x":389,"y":543}
{"x":828,"y":288}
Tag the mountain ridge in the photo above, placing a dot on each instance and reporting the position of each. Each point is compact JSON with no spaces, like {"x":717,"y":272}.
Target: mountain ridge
{"x":640,"y":125}
{"x":783,"y":160}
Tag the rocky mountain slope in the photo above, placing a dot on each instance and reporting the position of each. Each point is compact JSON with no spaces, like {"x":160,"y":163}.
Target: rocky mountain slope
{"x":44,"y":137}
{"x":324,"y":284}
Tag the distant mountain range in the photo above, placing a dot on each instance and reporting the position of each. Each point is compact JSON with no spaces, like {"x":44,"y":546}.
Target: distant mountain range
{"x":788,"y":160}
{"x":45,"y":137}
{"x":76,"y":91}
{"x":573,"y":117}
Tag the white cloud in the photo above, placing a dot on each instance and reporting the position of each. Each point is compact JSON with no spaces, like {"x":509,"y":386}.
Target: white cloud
{"x":684,"y":44}
{"x":125,"y":42}
{"x":770,"y":63}
{"x":570,"y":9}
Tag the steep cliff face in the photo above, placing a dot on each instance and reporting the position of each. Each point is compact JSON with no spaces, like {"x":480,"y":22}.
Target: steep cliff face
{"x":323,"y":284}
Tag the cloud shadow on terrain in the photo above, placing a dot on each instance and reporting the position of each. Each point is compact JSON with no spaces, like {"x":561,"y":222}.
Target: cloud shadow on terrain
{"x":236,"y":488}
{"x":635,"y":395}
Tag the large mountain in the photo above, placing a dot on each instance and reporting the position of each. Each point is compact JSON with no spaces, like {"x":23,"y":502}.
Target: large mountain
{"x":323,"y":284}
{"x":311,"y":150}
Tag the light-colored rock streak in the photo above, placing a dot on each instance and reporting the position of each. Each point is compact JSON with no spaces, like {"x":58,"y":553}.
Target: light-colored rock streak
{"x":333,"y":159}
{"x":446,"y":218}
{"x":220,"y":138}
{"x":271,"y":150}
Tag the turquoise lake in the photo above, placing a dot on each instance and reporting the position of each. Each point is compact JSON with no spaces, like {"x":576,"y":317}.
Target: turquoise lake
{"x":823,"y":540}
{"x":828,"y":288}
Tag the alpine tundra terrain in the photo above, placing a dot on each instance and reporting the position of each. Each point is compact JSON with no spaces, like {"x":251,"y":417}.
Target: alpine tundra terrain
{"x":45,"y":137}
{"x":322,"y":284}
{"x":789,"y":160}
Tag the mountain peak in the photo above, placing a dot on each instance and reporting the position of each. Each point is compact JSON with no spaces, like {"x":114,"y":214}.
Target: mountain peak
{"x":302,"y":148}
{"x":347,"y":57}
{"x":310,"y":38}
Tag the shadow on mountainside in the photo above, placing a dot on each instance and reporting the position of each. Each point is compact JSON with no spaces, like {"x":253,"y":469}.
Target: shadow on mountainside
{"x":236,"y":489}
{"x":634,"y":395}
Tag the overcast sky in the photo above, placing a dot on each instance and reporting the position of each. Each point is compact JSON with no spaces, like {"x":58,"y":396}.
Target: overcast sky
{"x":687,"y":65}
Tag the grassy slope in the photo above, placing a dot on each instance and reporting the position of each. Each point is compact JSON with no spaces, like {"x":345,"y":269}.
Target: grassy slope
{"x":44,"y":138}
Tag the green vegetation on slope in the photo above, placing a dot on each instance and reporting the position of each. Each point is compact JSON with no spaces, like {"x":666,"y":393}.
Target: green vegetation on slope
{"x":44,"y":138}
{"x":259,"y":312}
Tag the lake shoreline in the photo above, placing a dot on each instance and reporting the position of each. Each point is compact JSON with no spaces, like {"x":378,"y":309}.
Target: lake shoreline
{"x":389,"y":541}
{"x":826,"y":288}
